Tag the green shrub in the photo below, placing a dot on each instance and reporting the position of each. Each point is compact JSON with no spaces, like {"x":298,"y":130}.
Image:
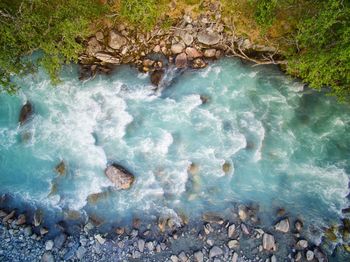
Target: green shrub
{"x":50,"y":26}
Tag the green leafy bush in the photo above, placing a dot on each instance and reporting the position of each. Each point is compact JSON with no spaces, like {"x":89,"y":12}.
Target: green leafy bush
{"x":323,"y":58}
{"x":50,"y":26}
{"x":142,"y":13}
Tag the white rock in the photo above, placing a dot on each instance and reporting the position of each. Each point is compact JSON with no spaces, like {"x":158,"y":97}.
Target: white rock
{"x":49,"y":245}
{"x":302,"y":244}
{"x":269,"y":242}
{"x":100,"y":239}
{"x":282,"y":226}
{"x":310,"y":255}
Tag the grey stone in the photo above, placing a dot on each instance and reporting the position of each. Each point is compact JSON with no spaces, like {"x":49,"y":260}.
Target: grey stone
{"x":177,"y":48}
{"x":231,"y":230}
{"x":81,"y":252}
{"x":273,"y":258}
{"x":115,"y":40}
{"x":198,"y":256}
{"x":174,"y":258}
{"x":141,"y":245}
{"x":59,"y":240}
{"x":302,"y":244}
{"x":183,"y":257}
{"x":181,"y":60}
{"x":298,"y":256}
{"x":235,"y":257}
{"x":208,"y":38}
{"x":187,"y":38}
{"x":47,"y":257}
{"x":28,"y":231}
{"x":310,"y":255}
{"x":215,"y":252}
{"x":244,"y":229}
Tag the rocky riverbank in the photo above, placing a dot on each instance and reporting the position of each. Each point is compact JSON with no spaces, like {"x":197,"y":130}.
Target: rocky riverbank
{"x":239,"y":237}
{"x":190,"y":42}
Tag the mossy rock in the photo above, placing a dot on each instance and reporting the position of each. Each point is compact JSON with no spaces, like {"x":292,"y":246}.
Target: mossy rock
{"x":330,"y":234}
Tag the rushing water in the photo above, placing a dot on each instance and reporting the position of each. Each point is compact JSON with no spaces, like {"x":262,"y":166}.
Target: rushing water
{"x":285,"y":147}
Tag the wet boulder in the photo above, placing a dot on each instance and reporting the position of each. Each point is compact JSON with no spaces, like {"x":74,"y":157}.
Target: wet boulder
{"x":156,"y":77}
{"x":119,"y":176}
{"x":61,"y":168}
{"x":181,"y":60}
{"x":269,"y":242}
{"x":208,"y":38}
{"x":26,"y":113}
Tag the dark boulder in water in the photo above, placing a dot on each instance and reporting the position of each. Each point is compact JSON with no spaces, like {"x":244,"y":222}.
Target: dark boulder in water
{"x":119,"y":176}
{"x":156,"y":76}
{"x":26,"y":113}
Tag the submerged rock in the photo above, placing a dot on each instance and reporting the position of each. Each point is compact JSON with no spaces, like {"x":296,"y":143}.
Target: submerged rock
{"x":193,"y":169}
{"x":226,"y":167}
{"x":61,"y":168}
{"x":156,"y":77}
{"x":198,"y":256}
{"x":119,"y":176}
{"x":26,"y":113}
{"x":198,"y":63}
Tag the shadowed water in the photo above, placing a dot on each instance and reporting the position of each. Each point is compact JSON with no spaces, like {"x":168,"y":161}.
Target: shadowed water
{"x":283,"y":147}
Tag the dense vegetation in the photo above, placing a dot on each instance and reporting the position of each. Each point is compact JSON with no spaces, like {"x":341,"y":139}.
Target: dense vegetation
{"x":54,"y":27}
{"x":313,"y":35}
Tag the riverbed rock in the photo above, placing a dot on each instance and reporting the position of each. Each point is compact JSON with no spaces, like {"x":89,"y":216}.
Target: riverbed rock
{"x":59,"y":240}
{"x":156,"y":77}
{"x":47,"y":257}
{"x":49,"y":245}
{"x":245,"y":229}
{"x":181,"y":60}
{"x":310,"y":255}
{"x":231,"y":230}
{"x":232,"y":244}
{"x":242,"y":213}
{"x":215,"y":252}
{"x":141,"y":245}
{"x":26,"y":113}
{"x":198,"y":256}
{"x":269,"y":242}
{"x":100,"y":239}
{"x":234,"y":257}
{"x":115,"y":40}
{"x":81,"y":252}
{"x":61,"y":168}
{"x":226,"y":167}
{"x":208,"y":38}
{"x":177,"y":48}
{"x":107,"y":58}
{"x":183,"y":257}
{"x":282,"y":226}
{"x":119,"y":176}
{"x":302,"y":244}
{"x":193,"y":53}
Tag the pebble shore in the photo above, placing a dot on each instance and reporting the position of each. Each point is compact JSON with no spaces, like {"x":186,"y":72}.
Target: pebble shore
{"x":214,"y":238}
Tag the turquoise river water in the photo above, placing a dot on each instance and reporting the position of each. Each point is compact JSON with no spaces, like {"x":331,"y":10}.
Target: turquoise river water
{"x":285,"y":146}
